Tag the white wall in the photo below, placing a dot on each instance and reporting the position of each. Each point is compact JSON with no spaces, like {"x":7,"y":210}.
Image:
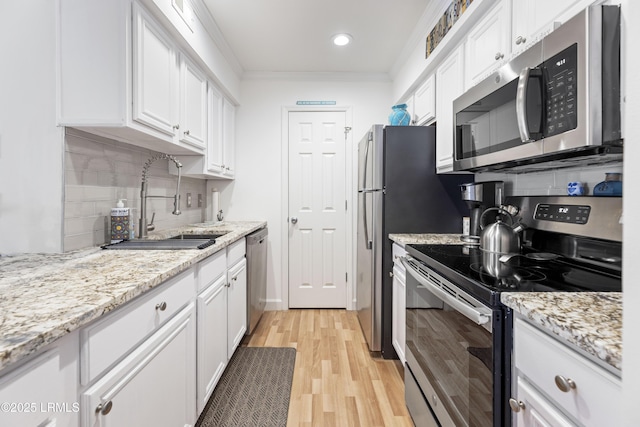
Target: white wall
{"x":256,"y":193}
{"x":31,"y":146}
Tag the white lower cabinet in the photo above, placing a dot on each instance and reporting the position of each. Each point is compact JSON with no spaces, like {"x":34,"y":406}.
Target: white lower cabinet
{"x":42,"y":392}
{"x":236,"y":305}
{"x":222,"y":315}
{"x":152,"y":386}
{"x":398,"y":314}
{"x":555,"y":385}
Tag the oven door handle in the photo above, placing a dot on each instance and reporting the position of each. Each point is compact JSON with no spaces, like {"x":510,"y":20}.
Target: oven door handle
{"x":464,"y":308}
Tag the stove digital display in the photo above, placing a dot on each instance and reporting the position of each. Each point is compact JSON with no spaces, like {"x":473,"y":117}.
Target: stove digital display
{"x":574,"y":214}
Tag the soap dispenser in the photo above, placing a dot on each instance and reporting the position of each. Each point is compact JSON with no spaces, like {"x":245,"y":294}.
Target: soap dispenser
{"x":120,"y":222}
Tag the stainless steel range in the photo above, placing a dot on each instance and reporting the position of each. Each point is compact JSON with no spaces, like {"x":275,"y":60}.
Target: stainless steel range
{"x":458,"y":334}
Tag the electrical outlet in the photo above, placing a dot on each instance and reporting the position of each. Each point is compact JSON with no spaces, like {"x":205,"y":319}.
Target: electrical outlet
{"x":188,"y":200}
{"x":199,"y":200}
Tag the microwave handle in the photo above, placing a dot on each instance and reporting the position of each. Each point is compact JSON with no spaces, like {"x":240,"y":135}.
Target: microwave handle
{"x":521,"y":102}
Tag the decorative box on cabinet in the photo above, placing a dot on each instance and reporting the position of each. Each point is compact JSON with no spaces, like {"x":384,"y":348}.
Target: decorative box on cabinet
{"x":557,"y":385}
{"x":120,"y":77}
{"x":449,"y":85}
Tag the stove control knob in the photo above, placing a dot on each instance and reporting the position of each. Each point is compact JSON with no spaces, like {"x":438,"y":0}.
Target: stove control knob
{"x":516,"y":405}
{"x":565,"y":384}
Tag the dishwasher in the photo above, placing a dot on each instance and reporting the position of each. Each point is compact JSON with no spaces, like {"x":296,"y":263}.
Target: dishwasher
{"x":256,"y":277}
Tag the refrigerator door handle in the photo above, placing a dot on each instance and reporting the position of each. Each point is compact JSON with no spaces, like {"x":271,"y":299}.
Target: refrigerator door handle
{"x":364,"y":166}
{"x":365,"y":222}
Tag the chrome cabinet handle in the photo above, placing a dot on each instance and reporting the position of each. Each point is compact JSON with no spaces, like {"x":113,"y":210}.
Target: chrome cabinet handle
{"x":186,"y":132}
{"x":176,"y":127}
{"x":104,"y":409}
{"x":499,"y":56}
{"x":162,"y":306}
{"x":520,"y":40}
{"x":516,"y":405}
{"x":565,"y":384}
{"x":294,"y":220}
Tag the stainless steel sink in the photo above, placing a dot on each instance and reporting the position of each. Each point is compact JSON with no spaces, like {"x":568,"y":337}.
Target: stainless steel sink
{"x":195,"y":236}
{"x":166,"y":244}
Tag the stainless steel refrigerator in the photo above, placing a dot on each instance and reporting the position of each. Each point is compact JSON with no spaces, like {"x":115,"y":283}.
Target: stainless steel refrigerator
{"x":398,"y":192}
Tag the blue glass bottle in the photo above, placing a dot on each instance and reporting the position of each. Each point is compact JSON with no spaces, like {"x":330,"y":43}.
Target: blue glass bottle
{"x":400,"y":116}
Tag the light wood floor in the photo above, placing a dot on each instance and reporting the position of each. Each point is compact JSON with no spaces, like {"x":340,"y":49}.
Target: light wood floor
{"x":336,"y":382}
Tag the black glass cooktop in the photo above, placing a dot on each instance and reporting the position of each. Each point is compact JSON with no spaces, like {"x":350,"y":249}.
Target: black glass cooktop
{"x":522,"y":273}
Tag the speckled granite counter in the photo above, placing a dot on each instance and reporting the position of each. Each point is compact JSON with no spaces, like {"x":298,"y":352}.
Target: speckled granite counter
{"x":592,"y":321}
{"x":45,"y":296}
{"x":428,"y":239}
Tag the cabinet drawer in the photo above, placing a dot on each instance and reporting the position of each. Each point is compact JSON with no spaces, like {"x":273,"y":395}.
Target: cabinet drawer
{"x":235,"y":252}
{"x":212,"y":268}
{"x":597,"y":396}
{"x":105,"y":342}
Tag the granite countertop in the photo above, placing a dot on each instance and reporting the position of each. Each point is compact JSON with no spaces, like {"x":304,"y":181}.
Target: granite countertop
{"x":428,"y":239}
{"x":592,"y":321}
{"x":45,"y":296}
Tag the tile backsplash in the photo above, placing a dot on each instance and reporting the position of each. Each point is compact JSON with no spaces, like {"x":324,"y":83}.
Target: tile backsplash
{"x":553,"y":182}
{"x":99,"y":171}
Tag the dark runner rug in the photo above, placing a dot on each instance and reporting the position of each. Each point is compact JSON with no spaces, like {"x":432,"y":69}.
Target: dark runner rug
{"x":254,"y":390}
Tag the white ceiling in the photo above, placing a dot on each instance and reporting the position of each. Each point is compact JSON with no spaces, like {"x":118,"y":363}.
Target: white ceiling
{"x":295,"y":35}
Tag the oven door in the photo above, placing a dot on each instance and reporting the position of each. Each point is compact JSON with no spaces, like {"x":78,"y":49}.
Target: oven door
{"x":450,"y":350}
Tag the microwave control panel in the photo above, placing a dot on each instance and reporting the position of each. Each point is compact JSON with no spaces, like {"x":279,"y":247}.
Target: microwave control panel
{"x":561,"y":91}
{"x":574,"y":214}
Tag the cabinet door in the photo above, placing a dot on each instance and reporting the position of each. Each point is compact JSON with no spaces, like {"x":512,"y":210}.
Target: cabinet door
{"x":236,"y":305}
{"x":487,"y":43}
{"x":212,"y":338}
{"x":228,"y":136}
{"x":425,"y":101}
{"x":533,"y":18}
{"x":155,"y":76}
{"x":193,"y":104}
{"x":535,"y":410}
{"x":398,"y":311}
{"x":449,"y":85}
{"x":154,"y":386}
{"x":215,"y":162}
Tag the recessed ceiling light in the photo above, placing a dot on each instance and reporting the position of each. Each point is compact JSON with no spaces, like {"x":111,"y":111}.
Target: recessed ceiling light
{"x":342,"y":39}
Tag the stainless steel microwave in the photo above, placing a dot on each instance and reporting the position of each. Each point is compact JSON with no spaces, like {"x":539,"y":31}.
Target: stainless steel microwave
{"x":558,"y":99}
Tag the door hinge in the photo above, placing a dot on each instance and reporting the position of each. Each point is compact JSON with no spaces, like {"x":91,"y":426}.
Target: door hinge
{"x":345,"y":205}
{"x":346,"y":277}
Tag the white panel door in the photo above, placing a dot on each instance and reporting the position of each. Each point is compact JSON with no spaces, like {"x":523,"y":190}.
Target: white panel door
{"x":317,"y":213}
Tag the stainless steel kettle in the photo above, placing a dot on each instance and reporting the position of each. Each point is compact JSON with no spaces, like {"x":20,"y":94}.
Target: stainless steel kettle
{"x":500,"y":237}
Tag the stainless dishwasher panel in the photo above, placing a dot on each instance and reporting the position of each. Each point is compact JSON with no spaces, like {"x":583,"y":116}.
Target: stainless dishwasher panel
{"x":256,"y":277}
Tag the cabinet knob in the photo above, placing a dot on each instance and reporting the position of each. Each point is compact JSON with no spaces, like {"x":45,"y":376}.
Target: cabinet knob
{"x":186,"y":132}
{"x":162,"y":306}
{"x":565,"y":384}
{"x":176,"y":127}
{"x":391,"y":274}
{"x":521,"y":40}
{"x":294,"y":220}
{"x":516,"y":405}
{"x":499,"y":56}
{"x":104,"y":408}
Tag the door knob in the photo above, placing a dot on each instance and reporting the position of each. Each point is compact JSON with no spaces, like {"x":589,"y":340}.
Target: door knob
{"x":294,"y":220}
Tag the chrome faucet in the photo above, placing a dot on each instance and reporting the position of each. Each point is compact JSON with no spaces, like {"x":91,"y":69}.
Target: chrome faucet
{"x":144,"y":225}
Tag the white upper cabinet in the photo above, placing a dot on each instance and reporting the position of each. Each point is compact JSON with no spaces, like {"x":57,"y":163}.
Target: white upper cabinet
{"x":155,"y":75}
{"x":193,"y":104}
{"x":228,"y":137}
{"x":531,"y":19}
{"x":449,"y":86}
{"x":123,"y":76}
{"x":425,"y":102}
{"x":488,"y":44}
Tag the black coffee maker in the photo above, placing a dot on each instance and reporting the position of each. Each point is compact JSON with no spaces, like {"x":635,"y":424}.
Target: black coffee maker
{"x":480,"y":196}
